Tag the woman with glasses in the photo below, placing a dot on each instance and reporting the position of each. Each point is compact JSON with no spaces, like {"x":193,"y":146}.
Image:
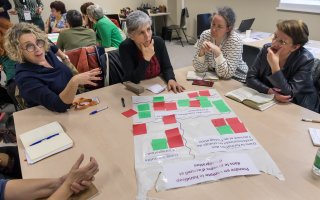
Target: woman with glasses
{"x":57,"y":19}
{"x":283,"y":68}
{"x":220,"y":48}
{"x":41,"y":78}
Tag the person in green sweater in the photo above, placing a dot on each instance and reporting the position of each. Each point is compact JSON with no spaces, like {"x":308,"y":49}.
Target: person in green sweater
{"x":108,"y":34}
{"x":77,"y":36}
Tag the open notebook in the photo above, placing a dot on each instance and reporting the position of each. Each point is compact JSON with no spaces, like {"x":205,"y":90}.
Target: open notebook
{"x":45,"y":141}
{"x":192,"y":75}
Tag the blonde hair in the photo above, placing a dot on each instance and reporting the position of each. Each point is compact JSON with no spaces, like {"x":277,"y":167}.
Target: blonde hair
{"x":12,"y":45}
{"x":296,"y":29}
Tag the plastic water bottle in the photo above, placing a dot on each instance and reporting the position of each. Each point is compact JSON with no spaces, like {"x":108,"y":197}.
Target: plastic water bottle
{"x":316,"y":164}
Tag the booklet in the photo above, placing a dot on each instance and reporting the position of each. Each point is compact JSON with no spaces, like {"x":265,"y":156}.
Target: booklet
{"x":45,"y":141}
{"x":252,"y":98}
{"x":192,"y":75}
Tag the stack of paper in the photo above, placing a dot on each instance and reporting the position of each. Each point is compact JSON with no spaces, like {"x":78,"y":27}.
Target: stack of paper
{"x":45,"y":141}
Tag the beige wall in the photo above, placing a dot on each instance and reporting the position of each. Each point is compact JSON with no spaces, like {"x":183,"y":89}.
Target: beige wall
{"x":263,"y":10}
{"x":111,"y":6}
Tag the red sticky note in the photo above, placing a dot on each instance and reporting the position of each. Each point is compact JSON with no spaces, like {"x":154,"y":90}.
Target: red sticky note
{"x":159,"y":106}
{"x":172,"y":132}
{"x":193,"y":94}
{"x":170,"y":119}
{"x":195,"y":103}
{"x":234,"y":120}
{"x":175,"y":141}
{"x":238,"y":128}
{"x":139,"y":129}
{"x":205,"y":93}
{"x":171,"y":106}
{"x":129,"y":113}
{"x":218,"y":122}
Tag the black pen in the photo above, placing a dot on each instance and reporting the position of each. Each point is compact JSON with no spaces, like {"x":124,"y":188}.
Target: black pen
{"x":122,"y":101}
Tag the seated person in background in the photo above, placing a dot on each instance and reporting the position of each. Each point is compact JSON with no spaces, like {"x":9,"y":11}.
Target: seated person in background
{"x":220,"y":48}
{"x":41,"y":78}
{"x":144,"y":56}
{"x":283,"y":68}
{"x":6,"y":64}
{"x":57,"y":18}
{"x":78,"y":179}
{"x":108,"y":34}
{"x":76,"y":36}
{"x":86,"y":22}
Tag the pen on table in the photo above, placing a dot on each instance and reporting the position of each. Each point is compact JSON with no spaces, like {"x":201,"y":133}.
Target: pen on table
{"x":310,"y":120}
{"x":47,"y":138}
{"x":122,"y":101}
{"x":99,"y":110}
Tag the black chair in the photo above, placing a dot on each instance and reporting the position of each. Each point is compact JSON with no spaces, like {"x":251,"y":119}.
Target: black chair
{"x":112,"y":68}
{"x":249,"y":54}
{"x":182,"y":26}
{"x":203,"y":23}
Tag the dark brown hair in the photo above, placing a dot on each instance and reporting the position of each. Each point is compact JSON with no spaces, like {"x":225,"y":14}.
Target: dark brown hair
{"x":296,"y":29}
{"x":58,"y":6}
{"x":83,"y":9}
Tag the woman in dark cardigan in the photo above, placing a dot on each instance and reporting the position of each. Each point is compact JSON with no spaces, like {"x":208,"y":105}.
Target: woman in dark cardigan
{"x":145,"y":56}
{"x":283,"y":68}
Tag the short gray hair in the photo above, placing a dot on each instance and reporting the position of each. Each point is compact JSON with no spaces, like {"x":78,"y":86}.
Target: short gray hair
{"x":228,"y":14}
{"x":95,"y":11}
{"x":12,"y":45}
{"x":136,"y":20}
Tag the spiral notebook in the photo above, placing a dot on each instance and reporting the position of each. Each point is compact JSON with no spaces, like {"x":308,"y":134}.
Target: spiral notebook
{"x":45,"y":141}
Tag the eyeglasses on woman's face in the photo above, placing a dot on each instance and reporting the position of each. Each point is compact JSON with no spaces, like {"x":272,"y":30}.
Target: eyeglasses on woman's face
{"x":280,"y":41}
{"x":30,"y":47}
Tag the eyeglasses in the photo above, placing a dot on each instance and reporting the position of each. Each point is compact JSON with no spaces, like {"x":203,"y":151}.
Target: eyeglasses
{"x":281,"y":42}
{"x":30,"y":47}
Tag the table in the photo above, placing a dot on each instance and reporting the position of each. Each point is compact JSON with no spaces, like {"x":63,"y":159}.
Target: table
{"x":107,"y":136}
{"x":313,"y":45}
{"x":153,"y":17}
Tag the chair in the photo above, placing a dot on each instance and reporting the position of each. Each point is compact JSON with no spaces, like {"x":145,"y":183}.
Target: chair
{"x":182,"y":26}
{"x":249,"y":54}
{"x":112,"y":68}
{"x":203,"y":23}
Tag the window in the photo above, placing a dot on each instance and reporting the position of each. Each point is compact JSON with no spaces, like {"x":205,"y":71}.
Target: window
{"x":312,"y":6}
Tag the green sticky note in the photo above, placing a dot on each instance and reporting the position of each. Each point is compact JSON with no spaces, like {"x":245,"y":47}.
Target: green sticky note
{"x":144,"y":114}
{"x":221,"y":106}
{"x":158,"y":144}
{"x":205,"y":104}
{"x":158,"y":99}
{"x":224,"y":130}
{"x":143,"y":107}
{"x":202,"y":98}
{"x":184,"y":102}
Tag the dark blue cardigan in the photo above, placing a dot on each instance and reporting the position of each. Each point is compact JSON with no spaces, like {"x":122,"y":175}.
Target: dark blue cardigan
{"x":39,"y":85}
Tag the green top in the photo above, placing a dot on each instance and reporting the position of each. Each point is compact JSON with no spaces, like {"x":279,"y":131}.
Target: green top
{"x":75,"y":38}
{"x":8,"y":67}
{"x":108,"y":34}
{"x":30,"y":5}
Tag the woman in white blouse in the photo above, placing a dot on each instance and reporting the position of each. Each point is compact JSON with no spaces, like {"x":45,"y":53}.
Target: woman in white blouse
{"x":220,"y":48}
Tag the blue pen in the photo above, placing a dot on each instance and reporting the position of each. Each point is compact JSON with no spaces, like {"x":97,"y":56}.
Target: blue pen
{"x":47,"y":138}
{"x":99,"y":110}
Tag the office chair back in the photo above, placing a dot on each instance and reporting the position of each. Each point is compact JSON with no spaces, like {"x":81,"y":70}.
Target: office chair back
{"x":203,"y":23}
{"x":249,"y":54}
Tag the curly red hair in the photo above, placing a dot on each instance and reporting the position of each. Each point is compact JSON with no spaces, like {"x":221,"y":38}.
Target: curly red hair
{"x":4,"y":26}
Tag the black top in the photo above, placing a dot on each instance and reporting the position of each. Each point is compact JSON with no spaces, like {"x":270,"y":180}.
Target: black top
{"x":6,"y":5}
{"x":135,"y":69}
{"x":293,"y":79}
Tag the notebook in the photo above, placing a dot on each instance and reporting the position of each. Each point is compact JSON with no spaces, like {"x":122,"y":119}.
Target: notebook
{"x":245,"y":25}
{"x":192,"y":75}
{"x":45,"y":141}
{"x":252,"y":98}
